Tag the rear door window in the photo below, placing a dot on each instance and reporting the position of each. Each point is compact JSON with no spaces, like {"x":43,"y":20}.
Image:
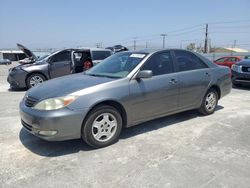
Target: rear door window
{"x":188,"y":61}
{"x":232,"y":59}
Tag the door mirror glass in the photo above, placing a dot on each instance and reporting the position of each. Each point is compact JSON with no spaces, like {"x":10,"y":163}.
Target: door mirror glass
{"x":144,"y":74}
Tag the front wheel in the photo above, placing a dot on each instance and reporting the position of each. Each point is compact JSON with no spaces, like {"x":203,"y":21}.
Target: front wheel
{"x":34,"y":80}
{"x":209,"y":102}
{"x":102,"y":127}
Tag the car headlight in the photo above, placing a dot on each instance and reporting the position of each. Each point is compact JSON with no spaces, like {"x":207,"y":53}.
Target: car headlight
{"x":54,"y":103}
{"x":236,"y":68}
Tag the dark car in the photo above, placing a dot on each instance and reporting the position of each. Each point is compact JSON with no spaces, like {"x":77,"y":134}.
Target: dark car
{"x":241,"y":73}
{"x":126,"y":89}
{"x":59,"y":63}
{"x":5,"y":62}
{"x":117,"y":48}
{"x":247,"y":57}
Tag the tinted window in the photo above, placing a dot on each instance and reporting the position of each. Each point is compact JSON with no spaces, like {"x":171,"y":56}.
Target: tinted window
{"x":188,"y":61}
{"x":159,"y":64}
{"x":62,"y":56}
{"x":220,"y":60}
{"x":232,"y":59}
{"x":100,"y":55}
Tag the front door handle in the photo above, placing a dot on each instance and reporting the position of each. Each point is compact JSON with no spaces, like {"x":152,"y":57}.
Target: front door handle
{"x":207,"y":74}
{"x":173,"y":81}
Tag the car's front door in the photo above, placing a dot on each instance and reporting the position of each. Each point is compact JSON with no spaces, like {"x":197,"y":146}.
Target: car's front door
{"x":194,"y":77}
{"x":154,"y":96}
{"x":60,"y":64}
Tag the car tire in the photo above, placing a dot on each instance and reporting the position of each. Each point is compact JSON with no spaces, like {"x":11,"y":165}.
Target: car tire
{"x":102,"y":126}
{"x":209,"y":102}
{"x":34,"y":79}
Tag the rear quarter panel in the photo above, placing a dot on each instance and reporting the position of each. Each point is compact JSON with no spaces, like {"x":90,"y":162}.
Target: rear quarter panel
{"x":221,"y":77}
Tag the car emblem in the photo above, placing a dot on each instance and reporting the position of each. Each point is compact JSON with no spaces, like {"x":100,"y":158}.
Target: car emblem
{"x":248,"y":69}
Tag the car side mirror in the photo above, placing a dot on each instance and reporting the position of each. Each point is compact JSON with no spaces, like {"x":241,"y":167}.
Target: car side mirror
{"x":144,"y":74}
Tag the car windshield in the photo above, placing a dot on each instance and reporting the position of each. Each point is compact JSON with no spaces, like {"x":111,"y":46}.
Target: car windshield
{"x":42,"y":57}
{"x":117,"y":66}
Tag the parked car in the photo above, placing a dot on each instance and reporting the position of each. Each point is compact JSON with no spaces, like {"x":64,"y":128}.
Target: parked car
{"x":59,"y":63}
{"x":227,"y":61}
{"x":247,"y":57}
{"x":5,"y":62}
{"x":126,"y":89}
{"x":117,"y":48}
{"x":241,"y":73}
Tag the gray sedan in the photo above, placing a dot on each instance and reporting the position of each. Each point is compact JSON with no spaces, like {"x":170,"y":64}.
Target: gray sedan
{"x":126,"y":89}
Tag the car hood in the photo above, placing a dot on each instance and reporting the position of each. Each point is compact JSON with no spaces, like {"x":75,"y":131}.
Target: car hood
{"x":65,"y":85}
{"x":244,"y":63}
{"x":26,"y":51}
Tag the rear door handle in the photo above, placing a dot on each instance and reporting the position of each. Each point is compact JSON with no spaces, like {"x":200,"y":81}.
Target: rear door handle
{"x":173,"y":81}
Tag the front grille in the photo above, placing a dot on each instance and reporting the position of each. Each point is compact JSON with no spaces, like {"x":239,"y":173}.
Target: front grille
{"x":245,"y":69}
{"x":30,"y":101}
{"x":26,"y":126}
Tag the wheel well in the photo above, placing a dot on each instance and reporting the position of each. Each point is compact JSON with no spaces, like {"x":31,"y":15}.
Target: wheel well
{"x":35,"y":73}
{"x":217,"y":89}
{"x":117,"y":106}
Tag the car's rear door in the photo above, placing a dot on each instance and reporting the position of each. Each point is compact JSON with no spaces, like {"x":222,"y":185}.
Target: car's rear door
{"x":194,"y":77}
{"x":158,"y":95}
{"x":60,"y":64}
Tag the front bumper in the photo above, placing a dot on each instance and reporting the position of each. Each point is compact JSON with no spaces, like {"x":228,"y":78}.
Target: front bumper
{"x":16,"y":78}
{"x":65,"y":122}
{"x":240,"y":78}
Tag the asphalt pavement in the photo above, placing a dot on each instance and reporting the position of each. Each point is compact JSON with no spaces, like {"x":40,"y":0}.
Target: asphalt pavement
{"x":182,"y":150}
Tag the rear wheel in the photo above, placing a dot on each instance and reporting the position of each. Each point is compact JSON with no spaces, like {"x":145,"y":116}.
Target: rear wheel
{"x":102,"y":127}
{"x":209,"y":102}
{"x":34,"y":80}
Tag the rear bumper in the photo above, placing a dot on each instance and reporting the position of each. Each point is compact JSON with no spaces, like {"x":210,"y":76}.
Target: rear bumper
{"x":65,"y":123}
{"x":241,"y":78}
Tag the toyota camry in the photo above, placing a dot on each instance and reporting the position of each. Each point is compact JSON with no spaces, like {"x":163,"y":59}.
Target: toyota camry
{"x":124,"y":90}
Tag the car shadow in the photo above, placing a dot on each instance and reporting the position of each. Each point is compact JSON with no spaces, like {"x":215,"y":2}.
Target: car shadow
{"x":242,"y":87}
{"x":162,"y":122}
{"x":55,"y":149}
{"x":16,"y":90}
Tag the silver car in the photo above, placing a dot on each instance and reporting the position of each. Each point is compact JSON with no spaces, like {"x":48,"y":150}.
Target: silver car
{"x":126,"y":89}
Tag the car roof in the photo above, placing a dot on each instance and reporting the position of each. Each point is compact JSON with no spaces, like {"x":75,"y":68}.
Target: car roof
{"x":229,"y":57}
{"x":93,"y":49}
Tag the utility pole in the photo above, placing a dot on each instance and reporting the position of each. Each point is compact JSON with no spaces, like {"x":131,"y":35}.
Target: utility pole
{"x":146,"y":44}
{"x":234,"y":44}
{"x":163,"y":40}
{"x":134,"y":43}
{"x":206,"y":39}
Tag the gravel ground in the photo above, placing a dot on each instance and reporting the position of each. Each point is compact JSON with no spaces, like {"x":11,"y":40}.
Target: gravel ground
{"x":183,"y":150}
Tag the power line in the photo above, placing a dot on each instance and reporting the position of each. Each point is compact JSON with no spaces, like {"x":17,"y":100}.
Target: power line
{"x":228,"y":22}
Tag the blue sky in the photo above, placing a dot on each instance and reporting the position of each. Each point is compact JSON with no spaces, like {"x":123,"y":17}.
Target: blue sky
{"x":72,"y":23}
